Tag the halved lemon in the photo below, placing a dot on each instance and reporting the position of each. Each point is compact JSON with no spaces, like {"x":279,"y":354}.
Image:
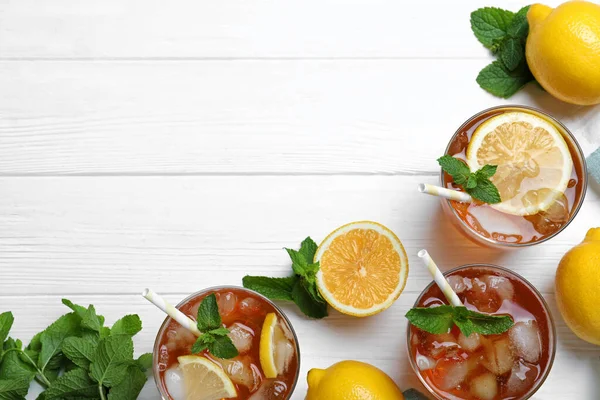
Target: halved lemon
{"x":533,"y":159}
{"x":205,"y":380}
{"x":363,"y":268}
{"x":267,"y":346}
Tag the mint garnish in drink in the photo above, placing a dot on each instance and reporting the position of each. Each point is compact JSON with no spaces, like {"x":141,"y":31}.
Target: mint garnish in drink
{"x":301,"y":288}
{"x":477,"y":183}
{"x":214,"y":335}
{"x":441,"y":319}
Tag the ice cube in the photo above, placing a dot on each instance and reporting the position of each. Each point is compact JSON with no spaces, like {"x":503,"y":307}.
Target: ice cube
{"x":250,"y":306}
{"x":163,"y":357}
{"x":450,"y":373}
{"x":457,"y":283}
{"x":525,"y":340}
{"x":501,"y":285}
{"x":184,"y":337}
{"x":226,"y":302}
{"x":439,"y":344}
{"x":284,"y":350}
{"x":241,"y":336}
{"x":521,"y":378}
{"x":551,"y":220}
{"x":174,"y":383}
{"x":482,"y":298}
{"x":498,"y":357}
{"x":270,"y":390}
{"x":241,"y":370}
{"x":424,"y":363}
{"x":485,"y":386}
{"x":471,"y":343}
{"x":286,"y":330}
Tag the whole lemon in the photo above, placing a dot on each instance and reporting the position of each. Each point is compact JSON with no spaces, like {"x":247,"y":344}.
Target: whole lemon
{"x":563,"y":50}
{"x":578,"y":287}
{"x":351,"y":380}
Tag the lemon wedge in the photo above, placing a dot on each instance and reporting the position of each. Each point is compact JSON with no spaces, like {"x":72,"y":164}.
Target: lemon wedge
{"x":267,"y":346}
{"x":363,"y":268}
{"x":533,"y":159}
{"x":205,"y":380}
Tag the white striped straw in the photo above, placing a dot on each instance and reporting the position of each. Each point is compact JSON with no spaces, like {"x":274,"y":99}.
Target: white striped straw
{"x":439,"y":278}
{"x":446,"y":193}
{"x":171,"y":311}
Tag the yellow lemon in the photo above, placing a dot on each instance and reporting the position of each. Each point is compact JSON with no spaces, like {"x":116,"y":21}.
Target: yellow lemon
{"x":563,"y":50}
{"x":267,"y":346}
{"x":205,"y":380}
{"x":351,"y":380}
{"x":577,"y":283}
{"x":363,"y":268}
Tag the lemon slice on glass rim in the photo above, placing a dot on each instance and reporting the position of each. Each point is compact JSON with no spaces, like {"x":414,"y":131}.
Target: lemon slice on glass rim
{"x":205,"y":380}
{"x":533,"y":159}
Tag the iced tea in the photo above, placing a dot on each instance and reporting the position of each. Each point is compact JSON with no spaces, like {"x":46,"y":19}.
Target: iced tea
{"x":512,"y":365}
{"x":243,"y":312}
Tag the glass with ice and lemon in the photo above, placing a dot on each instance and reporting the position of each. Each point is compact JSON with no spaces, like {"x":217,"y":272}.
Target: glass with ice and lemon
{"x":264,"y":365}
{"x":540,"y":176}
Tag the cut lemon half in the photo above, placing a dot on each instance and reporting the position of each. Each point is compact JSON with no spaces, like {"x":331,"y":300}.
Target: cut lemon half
{"x":533,"y":159}
{"x":267,"y":346}
{"x":363,"y":268}
{"x":205,"y":380}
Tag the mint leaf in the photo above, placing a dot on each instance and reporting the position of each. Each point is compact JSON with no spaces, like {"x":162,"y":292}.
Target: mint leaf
{"x":110,"y":360}
{"x":519,"y":27}
{"x":80,"y":350}
{"x":130,"y":387}
{"x":414,"y":394}
{"x":208,"y":314}
{"x":487,"y":171}
{"x":6,"y":322}
{"x":219,"y":332}
{"x":273,"y":288}
{"x":144,"y":361}
{"x":308,"y":248}
{"x":52,"y":338}
{"x":485,"y":191}
{"x":222,"y":347}
{"x":457,"y":169}
{"x":512,"y":53}
{"x":305,"y":301}
{"x":75,"y":384}
{"x":199,"y":346}
{"x":501,"y":82}
{"x":490,"y":23}
{"x":15,"y":389}
{"x":88,"y":316}
{"x":128,"y":325}
{"x":484,"y":324}
{"x":13,"y":367}
{"x":433,"y":319}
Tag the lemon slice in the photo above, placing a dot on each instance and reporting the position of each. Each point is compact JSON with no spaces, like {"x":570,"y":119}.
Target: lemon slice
{"x":363,"y":268}
{"x":205,"y":380}
{"x":267,"y":346}
{"x":533,"y":159}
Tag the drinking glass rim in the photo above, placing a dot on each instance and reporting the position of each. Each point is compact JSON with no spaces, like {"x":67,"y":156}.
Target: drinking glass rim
{"x":584,"y":177}
{"x":552,"y":330}
{"x":156,"y":373}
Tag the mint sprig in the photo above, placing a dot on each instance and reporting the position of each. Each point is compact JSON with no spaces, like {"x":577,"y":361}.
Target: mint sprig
{"x":477,"y":184}
{"x":301,"y":287}
{"x":441,"y":319}
{"x":504,"y":33}
{"x":214,"y":335}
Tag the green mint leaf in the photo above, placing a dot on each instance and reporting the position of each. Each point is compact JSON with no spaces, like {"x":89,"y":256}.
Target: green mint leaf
{"x":433,"y":319}
{"x":130,"y":387}
{"x":14,"y":389}
{"x":311,"y":288}
{"x":465,"y":326}
{"x":490,"y":23}
{"x":13,"y":366}
{"x":88,"y":316}
{"x":80,"y":351}
{"x":219,"y":332}
{"x":471,"y":182}
{"x":414,"y":394}
{"x":75,"y":384}
{"x":208,"y":314}
{"x":144,"y":361}
{"x":512,"y":53}
{"x":110,"y":360}
{"x":483,"y":324}
{"x":199,"y":346}
{"x":305,"y":301}
{"x":222,"y":347}
{"x":501,"y":82}
{"x":457,"y":169}
{"x":6,"y":322}
{"x":299,"y":263}
{"x":128,"y":325}
{"x":519,"y":27}
{"x":485,"y":191}
{"x":487,"y":171}
{"x":272,"y":288}
{"x":104,"y":332}
{"x":308,"y":248}
{"x":52,"y":338}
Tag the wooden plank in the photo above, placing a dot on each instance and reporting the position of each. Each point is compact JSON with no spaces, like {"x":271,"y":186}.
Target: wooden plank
{"x":78,"y":235}
{"x":258,"y":29}
{"x":244,"y":117}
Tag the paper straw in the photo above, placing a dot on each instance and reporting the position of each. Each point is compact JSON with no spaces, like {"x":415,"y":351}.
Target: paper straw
{"x":171,"y":311}
{"x":439,"y":278}
{"x":446,"y":193}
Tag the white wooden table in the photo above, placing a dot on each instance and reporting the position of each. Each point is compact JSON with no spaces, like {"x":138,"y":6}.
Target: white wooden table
{"x":182,"y":144}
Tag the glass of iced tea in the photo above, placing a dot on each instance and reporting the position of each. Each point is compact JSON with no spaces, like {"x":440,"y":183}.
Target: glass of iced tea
{"x":541,"y":176}
{"x":243,"y":312}
{"x":512,"y":365}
